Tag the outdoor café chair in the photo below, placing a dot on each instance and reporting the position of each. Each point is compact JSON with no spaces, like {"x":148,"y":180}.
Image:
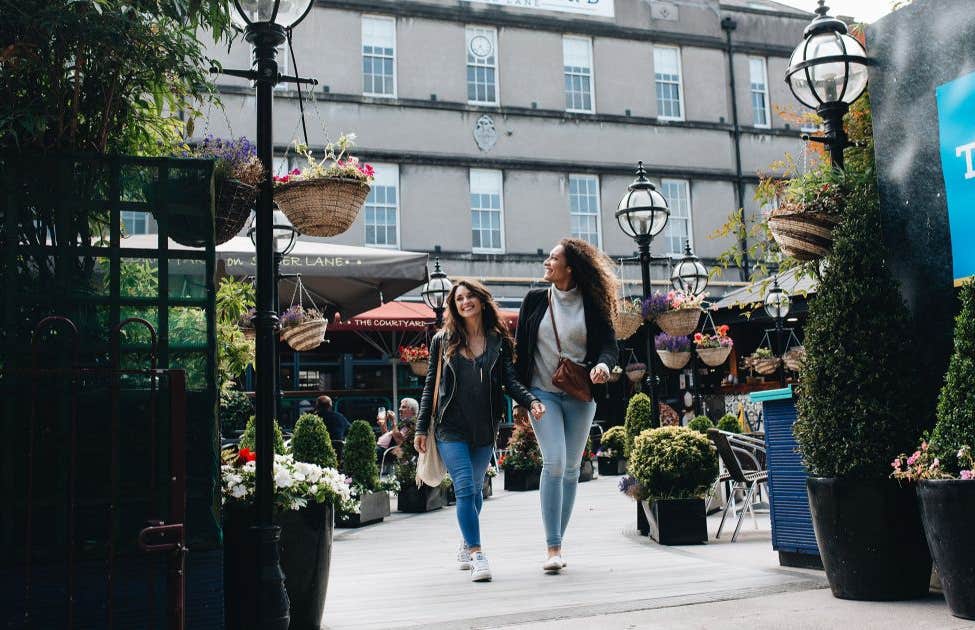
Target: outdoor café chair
{"x":733,"y":449}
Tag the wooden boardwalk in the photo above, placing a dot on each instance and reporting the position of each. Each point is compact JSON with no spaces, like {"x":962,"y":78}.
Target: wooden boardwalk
{"x":401,"y":573}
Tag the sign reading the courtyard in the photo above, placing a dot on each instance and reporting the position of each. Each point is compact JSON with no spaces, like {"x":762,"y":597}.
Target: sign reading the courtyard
{"x":956,"y":127}
{"x":597,"y":8}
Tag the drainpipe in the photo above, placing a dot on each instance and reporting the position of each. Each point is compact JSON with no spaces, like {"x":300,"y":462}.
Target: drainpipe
{"x":728,"y":25}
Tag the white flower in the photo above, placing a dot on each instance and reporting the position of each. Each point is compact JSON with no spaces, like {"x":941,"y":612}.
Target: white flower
{"x":238,"y":492}
{"x":282,"y":477}
{"x":313,"y":489}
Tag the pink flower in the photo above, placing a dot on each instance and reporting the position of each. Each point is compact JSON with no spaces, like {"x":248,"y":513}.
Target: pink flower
{"x":936,"y":463}
{"x":924,"y":446}
{"x":295,"y":172}
{"x":913,"y":458}
{"x":896,"y":464}
{"x":967,"y":475}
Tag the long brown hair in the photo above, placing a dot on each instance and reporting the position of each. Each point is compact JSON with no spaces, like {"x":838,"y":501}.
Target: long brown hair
{"x":454,"y":331}
{"x":593,"y":272}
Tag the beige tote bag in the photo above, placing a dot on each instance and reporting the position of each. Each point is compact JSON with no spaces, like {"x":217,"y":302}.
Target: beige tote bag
{"x":430,"y":468}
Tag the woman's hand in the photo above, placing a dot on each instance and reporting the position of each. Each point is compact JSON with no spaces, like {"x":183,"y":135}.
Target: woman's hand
{"x":420,"y":443}
{"x":538,"y":409}
{"x":599,"y":374}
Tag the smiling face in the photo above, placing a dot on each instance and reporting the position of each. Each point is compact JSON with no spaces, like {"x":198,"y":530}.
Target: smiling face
{"x":557,"y":271}
{"x":467,"y":304}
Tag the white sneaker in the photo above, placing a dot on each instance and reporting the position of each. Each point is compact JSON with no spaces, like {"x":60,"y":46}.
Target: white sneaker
{"x":463,"y":557}
{"x":553,"y":564}
{"x":480,"y":571}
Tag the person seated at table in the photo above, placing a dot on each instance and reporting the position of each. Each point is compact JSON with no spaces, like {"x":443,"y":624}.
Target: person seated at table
{"x":408,"y":409}
{"x":337,"y":424}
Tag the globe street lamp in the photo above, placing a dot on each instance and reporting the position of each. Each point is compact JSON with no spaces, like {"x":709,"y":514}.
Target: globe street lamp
{"x":642,"y":214}
{"x":828,"y":72}
{"x":690,"y":276}
{"x":436,"y":290}
{"x":777,"y":304}
{"x":265,"y":24}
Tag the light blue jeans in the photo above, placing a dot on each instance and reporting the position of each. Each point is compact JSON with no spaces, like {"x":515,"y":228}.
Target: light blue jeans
{"x":467,"y":465}
{"x":562,"y":434}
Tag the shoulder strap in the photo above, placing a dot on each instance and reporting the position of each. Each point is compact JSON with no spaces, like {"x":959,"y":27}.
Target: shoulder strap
{"x":551,"y":314}
{"x":436,"y":388}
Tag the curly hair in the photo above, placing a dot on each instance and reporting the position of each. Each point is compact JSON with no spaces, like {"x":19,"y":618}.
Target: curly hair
{"x":454,"y":331}
{"x":593,"y":271}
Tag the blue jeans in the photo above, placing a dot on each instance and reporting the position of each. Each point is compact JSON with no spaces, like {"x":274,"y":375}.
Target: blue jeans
{"x":467,"y":465}
{"x":562,"y":433}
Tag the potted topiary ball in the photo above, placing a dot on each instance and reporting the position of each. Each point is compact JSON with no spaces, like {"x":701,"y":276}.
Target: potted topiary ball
{"x":610,"y":455}
{"x":729,"y":423}
{"x":701,"y":424}
{"x":639,"y":416}
{"x":359,"y":464}
{"x":674,"y":467}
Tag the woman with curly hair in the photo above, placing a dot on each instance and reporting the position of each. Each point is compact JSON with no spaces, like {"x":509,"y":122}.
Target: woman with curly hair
{"x":566,"y":328}
{"x":474,"y":351}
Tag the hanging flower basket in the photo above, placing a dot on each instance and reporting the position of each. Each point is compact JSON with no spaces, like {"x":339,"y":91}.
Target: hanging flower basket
{"x":679,"y":322}
{"x":419,"y":368}
{"x":635,"y":372}
{"x":234,"y":203}
{"x":765,"y":365}
{"x":325,"y":206}
{"x":305,"y":336}
{"x":628,"y":319}
{"x":794,"y":358}
{"x":713,"y":357}
{"x":674,"y":360}
{"x":803,"y":235}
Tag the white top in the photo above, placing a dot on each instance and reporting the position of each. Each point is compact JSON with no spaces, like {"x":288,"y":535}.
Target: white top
{"x":570,"y":317}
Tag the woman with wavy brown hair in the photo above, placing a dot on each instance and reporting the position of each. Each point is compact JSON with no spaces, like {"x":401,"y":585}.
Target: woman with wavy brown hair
{"x":566,"y":344}
{"x":475,"y":352}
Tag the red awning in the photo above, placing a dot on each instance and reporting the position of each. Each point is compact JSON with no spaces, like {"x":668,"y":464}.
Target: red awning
{"x":400,"y":317}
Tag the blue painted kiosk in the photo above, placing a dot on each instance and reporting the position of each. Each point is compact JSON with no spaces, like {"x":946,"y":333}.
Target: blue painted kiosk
{"x":792,"y":530}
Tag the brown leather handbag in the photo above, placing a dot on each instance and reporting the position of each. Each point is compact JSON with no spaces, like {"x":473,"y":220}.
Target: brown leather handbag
{"x":569,"y":376}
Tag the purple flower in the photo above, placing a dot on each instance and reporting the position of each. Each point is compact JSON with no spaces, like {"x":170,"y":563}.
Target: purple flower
{"x":666,"y":342}
{"x":625,"y":483}
{"x":654,"y":305}
{"x":292,"y":316}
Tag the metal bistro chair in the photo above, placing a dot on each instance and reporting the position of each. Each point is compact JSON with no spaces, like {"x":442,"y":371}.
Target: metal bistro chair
{"x":733,"y":448}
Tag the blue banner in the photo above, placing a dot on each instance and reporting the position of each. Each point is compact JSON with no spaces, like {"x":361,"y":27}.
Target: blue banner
{"x":956,"y":127}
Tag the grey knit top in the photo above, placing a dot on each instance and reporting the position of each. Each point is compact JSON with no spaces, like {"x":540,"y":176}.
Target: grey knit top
{"x":570,"y":318}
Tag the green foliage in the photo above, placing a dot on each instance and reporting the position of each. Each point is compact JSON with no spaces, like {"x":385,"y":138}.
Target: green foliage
{"x":956,"y":404}
{"x":235,"y":409}
{"x":247,"y":438}
{"x":523,"y":452}
{"x":234,"y":299}
{"x":701,"y":424}
{"x":359,"y":456}
{"x":234,"y":351}
{"x":673,"y":463}
{"x":105,"y":75}
{"x":855,"y":406}
{"x":729,"y":423}
{"x":311,"y":443}
{"x":614,"y":438}
{"x":639,"y":416}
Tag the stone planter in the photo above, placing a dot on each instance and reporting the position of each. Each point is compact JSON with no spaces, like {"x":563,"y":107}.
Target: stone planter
{"x":423,"y":499}
{"x":521,"y":480}
{"x":947,"y":506}
{"x":675,"y":521}
{"x":610,"y":466}
{"x":373,"y":508}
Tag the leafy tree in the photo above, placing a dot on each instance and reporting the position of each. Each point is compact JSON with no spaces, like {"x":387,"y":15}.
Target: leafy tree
{"x":311,"y":443}
{"x":956,"y":405}
{"x":359,"y":455}
{"x":248,"y":437}
{"x":639,"y":416}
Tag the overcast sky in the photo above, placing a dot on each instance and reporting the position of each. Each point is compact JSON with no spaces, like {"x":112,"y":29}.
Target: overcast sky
{"x":862,"y":10}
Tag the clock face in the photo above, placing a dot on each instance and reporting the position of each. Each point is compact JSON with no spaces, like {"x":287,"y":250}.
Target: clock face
{"x":481,"y":46}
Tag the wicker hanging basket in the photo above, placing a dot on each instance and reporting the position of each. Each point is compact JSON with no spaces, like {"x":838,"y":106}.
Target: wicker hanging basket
{"x":419,"y":368}
{"x":713,"y":357}
{"x":794,"y":358}
{"x":680,"y":322}
{"x":803,"y":235}
{"x":674,"y":360}
{"x":234,"y":203}
{"x":627,"y":320}
{"x":305,"y":336}
{"x":766,"y":366}
{"x":635,"y":375}
{"x":325,"y":206}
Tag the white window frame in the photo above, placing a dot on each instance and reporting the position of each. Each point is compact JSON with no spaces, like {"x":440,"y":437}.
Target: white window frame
{"x":668,"y":237}
{"x":362,"y":53}
{"x":598,"y":214}
{"x":386,"y":175}
{"x":471,"y":31}
{"x":680,"y":83}
{"x":764,"y":92}
{"x":589,"y":75}
{"x":149,"y":225}
{"x":477,"y":184}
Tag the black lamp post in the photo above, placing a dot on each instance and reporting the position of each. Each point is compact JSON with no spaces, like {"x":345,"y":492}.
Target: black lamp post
{"x":777,"y":304}
{"x":436,"y":291}
{"x":642,"y":214}
{"x":828,"y":72}
{"x":265,"y":24}
{"x":691,"y":277}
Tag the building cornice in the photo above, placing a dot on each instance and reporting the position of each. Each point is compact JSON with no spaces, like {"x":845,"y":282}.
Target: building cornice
{"x":799,"y":15}
{"x":498,"y":16}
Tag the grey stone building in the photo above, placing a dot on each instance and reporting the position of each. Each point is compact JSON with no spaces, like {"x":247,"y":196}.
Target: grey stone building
{"x":498,"y":126}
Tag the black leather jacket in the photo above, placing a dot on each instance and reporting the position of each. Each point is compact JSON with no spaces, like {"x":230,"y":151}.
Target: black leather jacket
{"x":499,"y":357}
{"x":600,"y":336}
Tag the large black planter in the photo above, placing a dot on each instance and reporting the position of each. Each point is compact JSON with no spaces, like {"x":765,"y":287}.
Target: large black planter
{"x":947,"y":508}
{"x":611,"y":466}
{"x":870,"y":538}
{"x":423,"y":499}
{"x":674,"y":521}
{"x":521,"y":480}
{"x":373,"y":508}
{"x":586,"y":471}
{"x":305,"y":547}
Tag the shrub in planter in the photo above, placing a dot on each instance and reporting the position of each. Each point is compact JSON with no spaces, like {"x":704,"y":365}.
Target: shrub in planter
{"x":250,"y":431}
{"x":586,"y":468}
{"x":311,"y":442}
{"x":701,"y":424}
{"x":235,"y":409}
{"x":639,"y":416}
{"x":856,"y":412}
{"x":359,"y":464}
{"x":522,"y":464}
{"x":674,"y":467}
{"x":410,"y":497}
{"x":610,"y":458}
{"x":729,"y":423}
